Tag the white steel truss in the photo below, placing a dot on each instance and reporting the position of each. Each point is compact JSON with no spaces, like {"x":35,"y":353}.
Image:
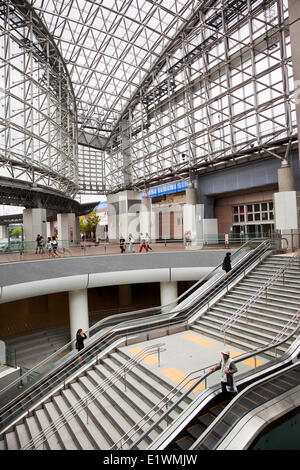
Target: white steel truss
{"x":163,"y":89}
{"x":38,"y":134}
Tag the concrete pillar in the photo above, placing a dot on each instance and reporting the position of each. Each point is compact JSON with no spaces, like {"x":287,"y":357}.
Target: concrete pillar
{"x":168,"y":294}
{"x":147,"y":217}
{"x":67,"y":229}
{"x":3,"y":232}
{"x":2,"y":352}
{"x":125,"y":294}
{"x":294,"y":28}
{"x":189,"y":216}
{"x":123,"y":211}
{"x":50,"y":229}
{"x":34,"y":223}
{"x":286,"y":179}
{"x":78,"y":312}
{"x":286,"y":208}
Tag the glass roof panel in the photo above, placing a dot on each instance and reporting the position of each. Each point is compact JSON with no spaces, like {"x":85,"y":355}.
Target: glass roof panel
{"x":110,"y":45}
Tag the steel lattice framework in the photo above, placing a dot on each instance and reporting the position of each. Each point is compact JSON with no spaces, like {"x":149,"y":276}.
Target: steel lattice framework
{"x":38,"y":133}
{"x":163,"y":89}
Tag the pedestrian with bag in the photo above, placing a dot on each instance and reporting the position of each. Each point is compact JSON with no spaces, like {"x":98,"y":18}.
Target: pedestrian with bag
{"x":228,"y":369}
{"x":131,"y":243}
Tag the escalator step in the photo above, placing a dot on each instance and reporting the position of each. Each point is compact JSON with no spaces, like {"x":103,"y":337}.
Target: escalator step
{"x":281,"y":384}
{"x":233,"y":415}
{"x":185,"y":442}
{"x":195,"y":431}
{"x":249,"y":405}
{"x":210,"y":441}
{"x":267,"y":393}
{"x":216,"y":410}
{"x":256,"y":397}
{"x":287,"y":378}
{"x":253,"y":399}
{"x":206,"y":420}
{"x":221,"y":428}
{"x":273,"y":388}
{"x":295,"y":374}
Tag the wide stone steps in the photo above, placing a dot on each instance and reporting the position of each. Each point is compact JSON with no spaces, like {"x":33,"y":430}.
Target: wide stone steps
{"x":265,"y":318}
{"x":101,"y":421}
{"x":262,"y":308}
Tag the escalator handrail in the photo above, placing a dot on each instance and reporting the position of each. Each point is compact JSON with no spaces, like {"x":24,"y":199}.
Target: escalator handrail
{"x":172,"y":314}
{"x":113,"y":332}
{"x":237,"y":359}
{"x":232,"y":403}
{"x":244,"y":308}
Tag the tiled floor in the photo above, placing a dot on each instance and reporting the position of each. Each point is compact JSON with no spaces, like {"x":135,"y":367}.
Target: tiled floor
{"x":187,"y":353}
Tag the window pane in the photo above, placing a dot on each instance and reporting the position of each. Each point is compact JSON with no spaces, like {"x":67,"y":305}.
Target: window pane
{"x":257,"y":216}
{"x":264,"y":206}
{"x":256,"y":208}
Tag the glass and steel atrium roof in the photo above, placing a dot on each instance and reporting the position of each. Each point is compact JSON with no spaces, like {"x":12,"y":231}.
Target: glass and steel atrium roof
{"x":109,"y":47}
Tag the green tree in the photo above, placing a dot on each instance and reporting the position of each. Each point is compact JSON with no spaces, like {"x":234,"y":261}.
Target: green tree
{"x":89,"y":224}
{"x":16,"y":232}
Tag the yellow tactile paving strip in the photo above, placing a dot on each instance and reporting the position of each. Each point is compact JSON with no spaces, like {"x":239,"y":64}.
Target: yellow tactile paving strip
{"x":151,"y":359}
{"x":249,"y":362}
{"x":177,"y":376}
{"x":197,"y":339}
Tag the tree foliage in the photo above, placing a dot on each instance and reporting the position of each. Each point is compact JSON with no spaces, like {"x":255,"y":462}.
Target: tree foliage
{"x":89,"y":224}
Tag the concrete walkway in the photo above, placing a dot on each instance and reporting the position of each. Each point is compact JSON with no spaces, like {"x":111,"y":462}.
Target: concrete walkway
{"x":188,"y":352}
{"x":87,"y":249}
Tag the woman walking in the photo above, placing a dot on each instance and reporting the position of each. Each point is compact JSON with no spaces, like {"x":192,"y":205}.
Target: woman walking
{"x":80,"y":337}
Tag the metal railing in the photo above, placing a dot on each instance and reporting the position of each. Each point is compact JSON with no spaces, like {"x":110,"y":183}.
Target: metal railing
{"x":245,"y":307}
{"x":196,"y":381}
{"x":105,"y":334}
{"x":236,"y":399}
{"x":42,"y":437}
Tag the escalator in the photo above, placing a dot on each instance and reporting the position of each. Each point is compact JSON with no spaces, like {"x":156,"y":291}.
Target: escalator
{"x":213,"y":423}
{"x":29,"y":389}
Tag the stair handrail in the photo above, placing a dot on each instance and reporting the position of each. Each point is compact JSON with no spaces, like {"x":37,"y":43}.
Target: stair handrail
{"x":113,"y":333}
{"x":64,"y":418}
{"x":232,"y":403}
{"x":164,"y":402}
{"x":265,"y":243}
{"x":245,"y":307}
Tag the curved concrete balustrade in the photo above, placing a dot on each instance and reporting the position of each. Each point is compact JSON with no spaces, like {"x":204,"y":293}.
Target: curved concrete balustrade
{"x":33,"y":278}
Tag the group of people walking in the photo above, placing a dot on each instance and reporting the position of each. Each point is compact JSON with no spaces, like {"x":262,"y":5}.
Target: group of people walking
{"x":144,"y":243}
{"x":51,"y":246}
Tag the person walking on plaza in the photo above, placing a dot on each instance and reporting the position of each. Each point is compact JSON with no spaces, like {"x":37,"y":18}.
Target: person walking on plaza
{"x":143,"y":243}
{"x":38,"y":246}
{"x":228,"y":369}
{"x":42,"y":244}
{"x":148,"y":241}
{"x":80,"y":337}
{"x":226,"y":266}
{"x":122,"y":244}
{"x":54,"y":246}
{"x":49,"y":248}
{"x":131,"y":243}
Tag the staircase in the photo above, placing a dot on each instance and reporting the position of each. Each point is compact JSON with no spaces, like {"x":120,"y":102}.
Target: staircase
{"x":104,"y":420}
{"x":33,"y":347}
{"x":266,"y":317}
